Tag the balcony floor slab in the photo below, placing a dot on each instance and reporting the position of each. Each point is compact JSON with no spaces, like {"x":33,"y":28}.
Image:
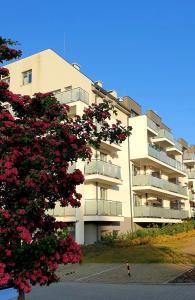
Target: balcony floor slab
{"x":102,"y":179}
{"x":153,"y":162}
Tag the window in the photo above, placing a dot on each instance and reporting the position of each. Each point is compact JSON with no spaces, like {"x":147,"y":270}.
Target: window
{"x":103,"y":193}
{"x":27,"y":77}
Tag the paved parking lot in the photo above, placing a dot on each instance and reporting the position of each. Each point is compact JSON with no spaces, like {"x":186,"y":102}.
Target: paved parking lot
{"x":117,"y":273}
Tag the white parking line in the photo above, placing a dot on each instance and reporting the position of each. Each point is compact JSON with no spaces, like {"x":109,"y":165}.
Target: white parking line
{"x":98,"y":273}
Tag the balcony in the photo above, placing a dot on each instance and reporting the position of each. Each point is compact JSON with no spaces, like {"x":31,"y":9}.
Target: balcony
{"x":163,"y":157}
{"x":106,"y":145}
{"x":176,"y":149}
{"x":94,"y":207}
{"x":152,"y":125}
{"x":189,"y":158}
{"x":164,"y":138}
{"x":159,"y":212}
{"x":63,"y":212}
{"x":102,"y":172}
{"x":192,"y":197}
{"x":178,"y":145}
{"x":77,"y":94}
{"x":149,"y":181}
{"x":191,"y":174}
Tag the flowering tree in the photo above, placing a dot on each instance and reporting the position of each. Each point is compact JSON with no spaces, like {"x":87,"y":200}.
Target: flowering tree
{"x":38,"y":142}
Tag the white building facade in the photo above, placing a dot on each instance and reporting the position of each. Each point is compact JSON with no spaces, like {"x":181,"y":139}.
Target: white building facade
{"x":143,"y":181}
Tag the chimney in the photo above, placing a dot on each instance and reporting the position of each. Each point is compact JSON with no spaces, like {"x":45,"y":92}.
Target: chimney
{"x":76,"y":66}
{"x":99,"y":83}
{"x":113,"y":93}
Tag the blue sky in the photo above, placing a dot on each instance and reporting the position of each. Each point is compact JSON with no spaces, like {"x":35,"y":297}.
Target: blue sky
{"x":144,"y":49}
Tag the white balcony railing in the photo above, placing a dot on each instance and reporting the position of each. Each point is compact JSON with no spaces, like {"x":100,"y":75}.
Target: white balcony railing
{"x":149,"y":180}
{"x":162,"y":156}
{"x":159,"y":212}
{"x":77,"y":94}
{"x":103,"y":207}
{"x":103,"y":168}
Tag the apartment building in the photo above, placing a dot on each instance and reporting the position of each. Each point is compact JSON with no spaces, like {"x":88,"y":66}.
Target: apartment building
{"x":189,"y":161}
{"x":106,"y":192}
{"x":159,"y":179}
{"x":143,"y":181}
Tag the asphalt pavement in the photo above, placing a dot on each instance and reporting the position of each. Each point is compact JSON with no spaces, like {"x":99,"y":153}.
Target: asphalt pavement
{"x":96,"y":291}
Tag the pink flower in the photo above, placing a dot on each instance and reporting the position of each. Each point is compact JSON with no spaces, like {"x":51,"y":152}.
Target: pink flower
{"x":21,"y":211}
{"x":24,"y":234}
{"x":8,"y":165}
{"x":8,"y":252}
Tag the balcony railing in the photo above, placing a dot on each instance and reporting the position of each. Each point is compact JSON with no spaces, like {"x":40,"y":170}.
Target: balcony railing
{"x":191,"y":174}
{"x":159,"y":212}
{"x":163,"y":133}
{"x":149,"y":180}
{"x":178,"y":145}
{"x":103,"y":168}
{"x":77,"y":94}
{"x":152,"y":124}
{"x":192,"y":196}
{"x":59,"y":211}
{"x":160,"y":155}
{"x":103,"y":207}
{"x":189,"y":156}
{"x":72,"y":168}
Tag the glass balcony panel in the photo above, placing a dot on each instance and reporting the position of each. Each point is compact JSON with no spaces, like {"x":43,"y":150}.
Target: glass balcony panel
{"x":152,"y":124}
{"x":163,"y":133}
{"x":113,"y":208}
{"x":119,"y":209}
{"x":72,"y":168}
{"x":160,"y":155}
{"x":77,"y":94}
{"x":103,"y":207}
{"x":159,"y":212}
{"x":178,"y":145}
{"x":189,"y":156}
{"x":91,"y":207}
{"x":59,"y":211}
{"x":191,"y":174}
{"x":149,"y":180}
{"x":103,"y":168}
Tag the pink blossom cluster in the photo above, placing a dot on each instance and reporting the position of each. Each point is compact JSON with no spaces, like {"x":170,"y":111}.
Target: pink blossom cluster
{"x":37,"y":145}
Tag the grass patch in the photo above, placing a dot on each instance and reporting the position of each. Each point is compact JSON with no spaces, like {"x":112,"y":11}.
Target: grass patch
{"x":152,"y":232}
{"x":162,"y":249}
{"x":134,"y":254}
